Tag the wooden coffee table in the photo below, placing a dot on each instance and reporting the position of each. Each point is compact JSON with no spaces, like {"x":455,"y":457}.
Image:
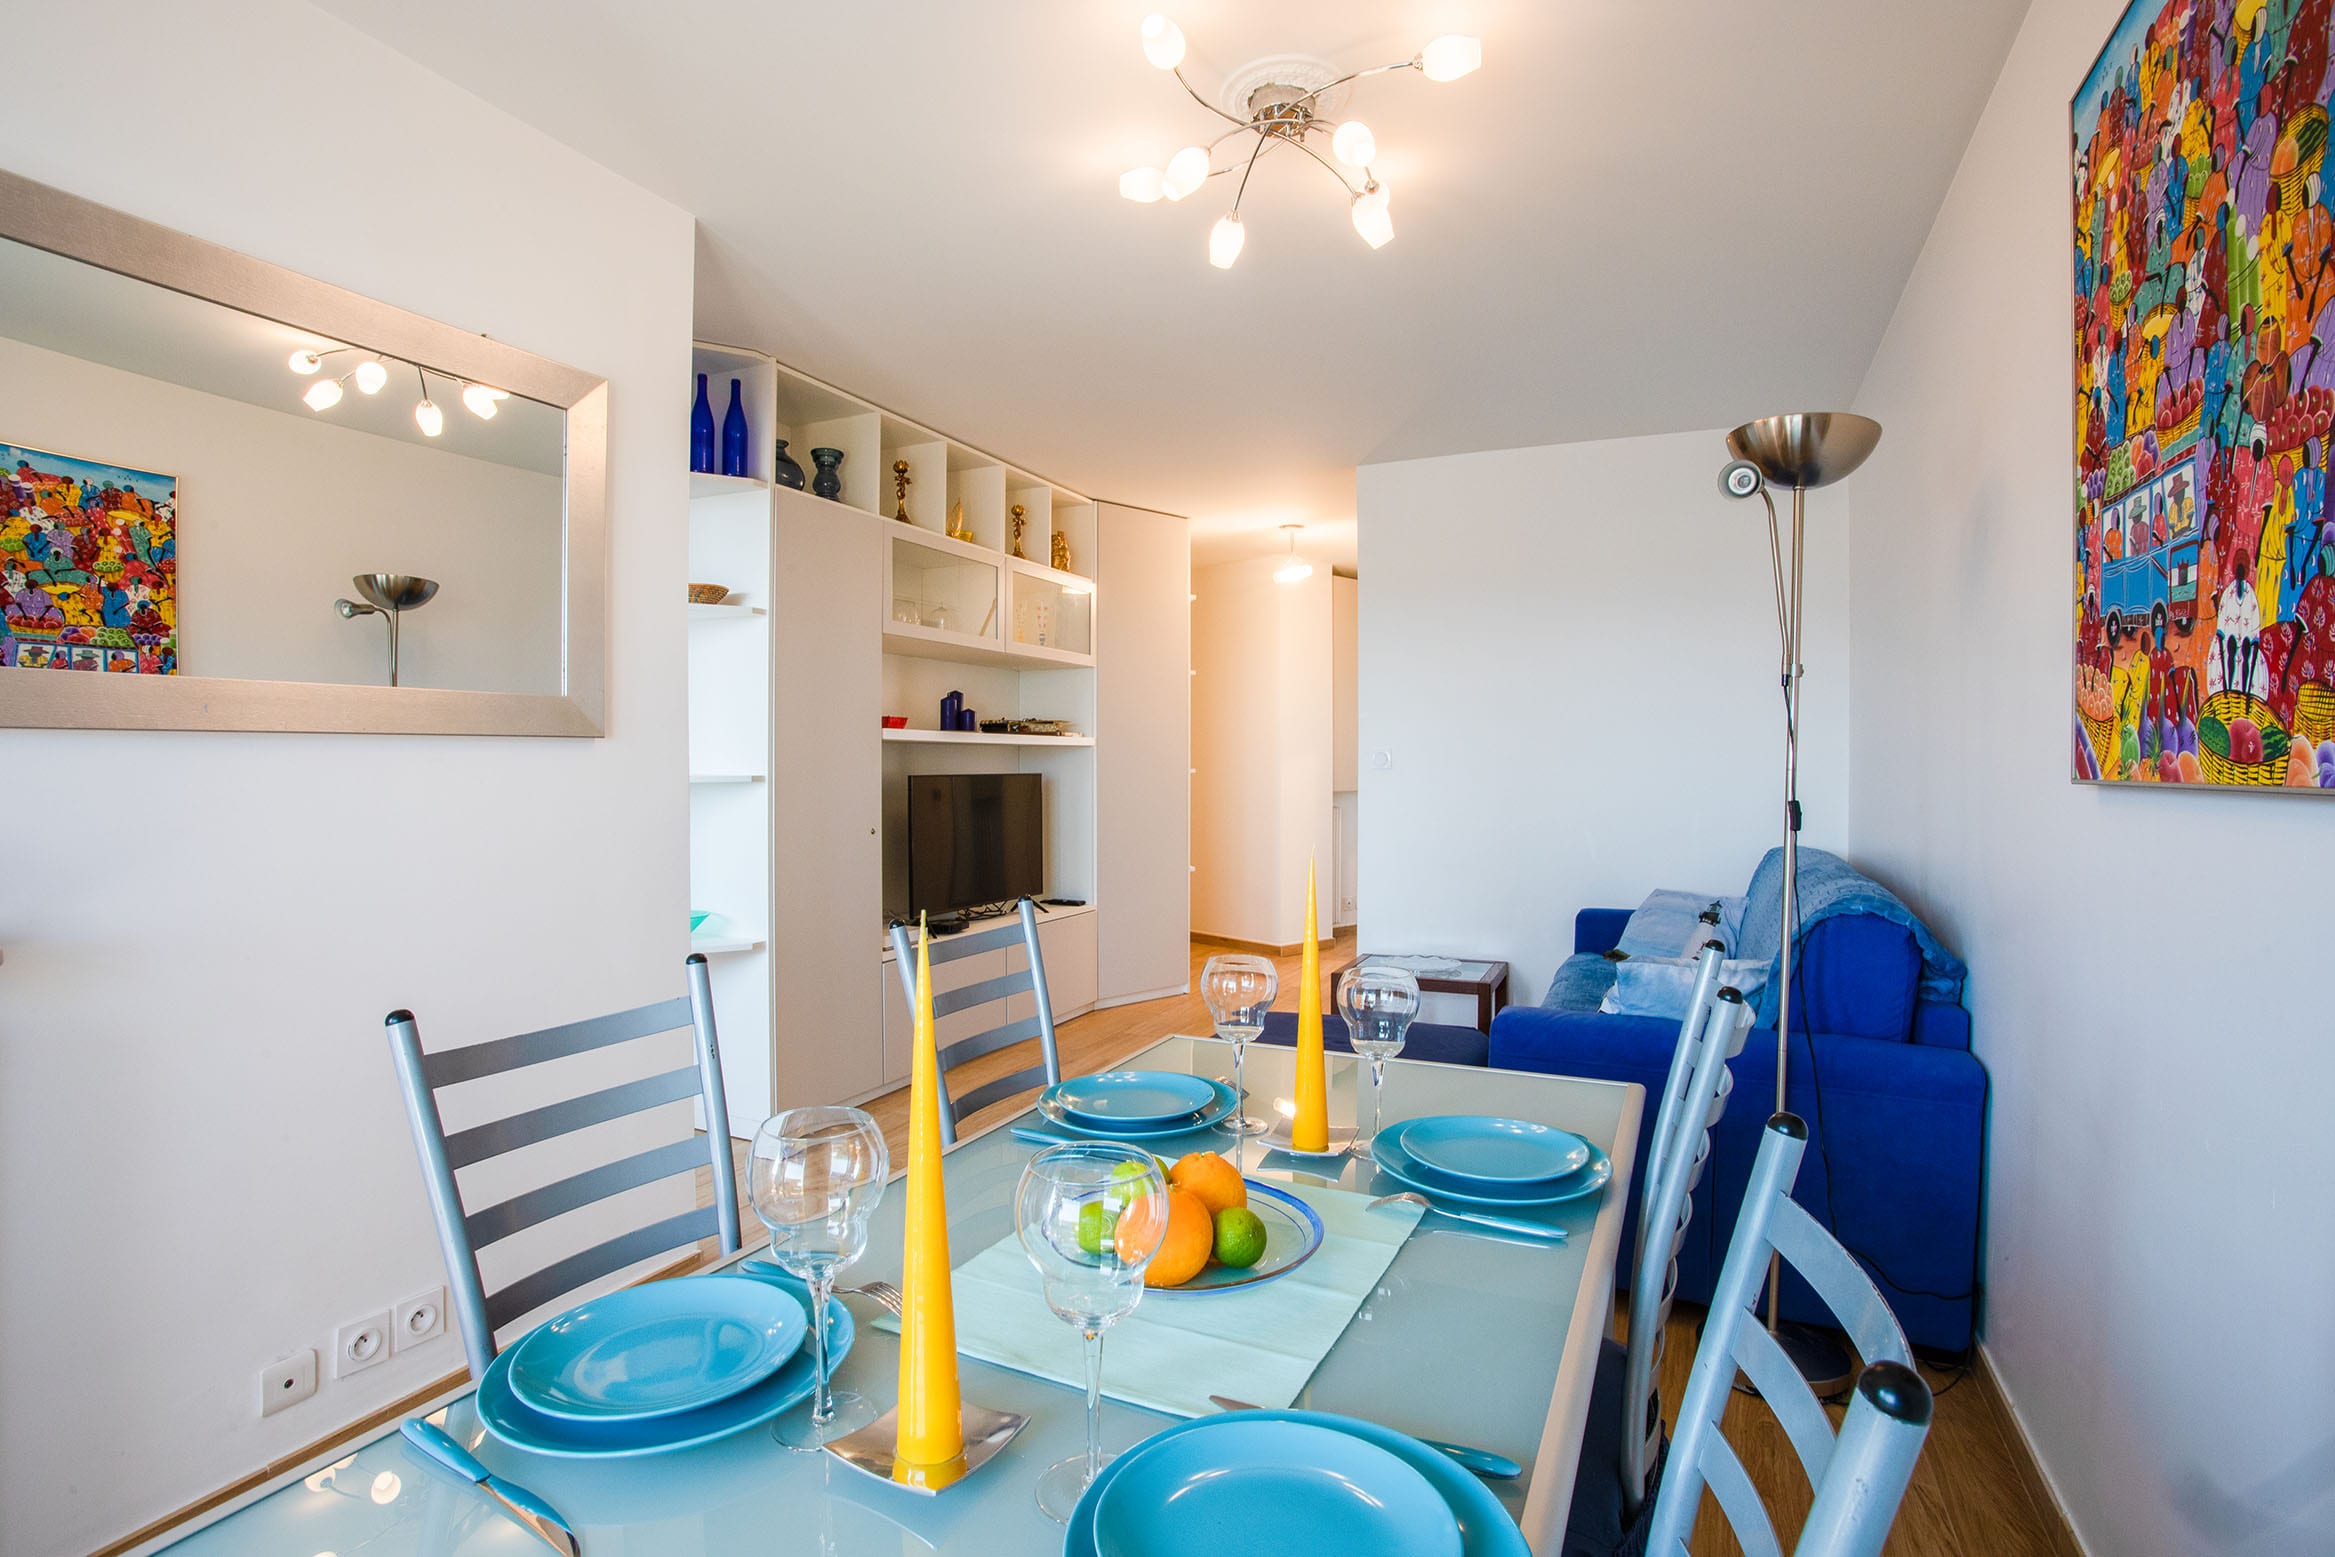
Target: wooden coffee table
{"x":1485,"y":983}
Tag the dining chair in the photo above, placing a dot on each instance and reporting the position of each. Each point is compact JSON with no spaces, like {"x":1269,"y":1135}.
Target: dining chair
{"x":462,"y":1232}
{"x":1622,"y":1446}
{"x":1030,"y":980}
{"x":1859,"y":1477}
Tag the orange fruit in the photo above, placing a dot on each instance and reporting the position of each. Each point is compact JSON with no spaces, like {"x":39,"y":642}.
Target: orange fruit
{"x":1215,"y":1181}
{"x":1189,"y":1240}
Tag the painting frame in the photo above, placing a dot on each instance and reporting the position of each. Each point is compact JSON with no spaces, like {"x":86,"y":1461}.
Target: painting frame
{"x":2202,"y":339}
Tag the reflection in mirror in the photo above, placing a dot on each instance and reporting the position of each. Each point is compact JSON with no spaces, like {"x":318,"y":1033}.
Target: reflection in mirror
{"x":187,"y":489}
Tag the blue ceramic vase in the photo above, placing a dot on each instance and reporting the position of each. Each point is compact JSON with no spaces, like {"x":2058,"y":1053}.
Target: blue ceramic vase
{"x":701,"y":447}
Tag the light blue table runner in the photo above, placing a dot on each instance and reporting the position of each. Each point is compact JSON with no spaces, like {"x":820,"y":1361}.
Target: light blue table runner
{"x":1259,"y":1344}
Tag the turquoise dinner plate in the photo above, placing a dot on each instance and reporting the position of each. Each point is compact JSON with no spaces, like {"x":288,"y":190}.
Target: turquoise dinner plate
{"x":1485,"y":1528}
{"x":1270,"y":1486}
{"x":1467,"y":1150}
{"x":1115,"y":1099}
{"x":1293,"y":1231}
{"x":1396,"y":1162}
{"x":653,"y":1350}
{"x":1052,"y":1110}
{"x":510,"y":1419}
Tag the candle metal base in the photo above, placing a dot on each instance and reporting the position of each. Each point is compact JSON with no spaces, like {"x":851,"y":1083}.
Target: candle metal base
{"x":874,"y":1449}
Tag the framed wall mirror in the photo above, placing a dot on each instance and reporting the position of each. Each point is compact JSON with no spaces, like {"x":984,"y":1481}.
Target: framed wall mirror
{"x":233,"y":497}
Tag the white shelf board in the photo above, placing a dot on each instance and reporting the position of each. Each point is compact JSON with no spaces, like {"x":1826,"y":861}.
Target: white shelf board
{"x":725,"y":778}
{"x":1070,"y":583}
{"x":716,"y":945}
{"x":983,"y":738}
{"x":705,"y":483}
{"x":1046,"y":916}
{"x":723,"y":613}
{"x":933,"y":643}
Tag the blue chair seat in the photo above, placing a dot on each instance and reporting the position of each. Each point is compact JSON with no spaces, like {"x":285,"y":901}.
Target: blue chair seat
{"x":1427,"y":1040}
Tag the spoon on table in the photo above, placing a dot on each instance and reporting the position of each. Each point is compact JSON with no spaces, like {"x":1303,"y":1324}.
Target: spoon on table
{"x":1497,"y":1467}
{"x":1540,"y":1230}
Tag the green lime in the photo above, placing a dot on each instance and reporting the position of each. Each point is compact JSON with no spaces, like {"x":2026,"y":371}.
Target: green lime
{"x":1240,"y":1237}
{"x":1096,"y":1223}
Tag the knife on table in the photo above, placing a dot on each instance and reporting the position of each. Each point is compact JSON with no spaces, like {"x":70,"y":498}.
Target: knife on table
{"x":523,"y":1505}
{"x":1483,"y":1462}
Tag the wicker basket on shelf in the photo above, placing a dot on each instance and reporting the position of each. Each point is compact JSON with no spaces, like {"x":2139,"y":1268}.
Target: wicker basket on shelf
{"x":2227,"y":706}
{"x":707,"y":594}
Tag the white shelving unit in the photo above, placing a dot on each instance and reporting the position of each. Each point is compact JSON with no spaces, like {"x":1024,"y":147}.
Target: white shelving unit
{"x":842,"y":613}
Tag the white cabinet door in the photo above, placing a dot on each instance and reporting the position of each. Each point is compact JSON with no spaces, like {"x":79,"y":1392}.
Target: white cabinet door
{"x":827,"y":782}
{"x":1069,"y":948}
{"x":1143,"y":755}
{"x":899,"y":1027}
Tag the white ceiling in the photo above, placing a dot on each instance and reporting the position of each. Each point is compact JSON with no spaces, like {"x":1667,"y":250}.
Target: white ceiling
{"x":1641,"y":215}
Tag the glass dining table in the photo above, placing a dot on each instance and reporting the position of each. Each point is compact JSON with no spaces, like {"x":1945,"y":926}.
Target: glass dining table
{"x":1471,"y":1336}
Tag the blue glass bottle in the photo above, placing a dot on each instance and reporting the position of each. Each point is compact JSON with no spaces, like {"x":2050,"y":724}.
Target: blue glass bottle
{"x":701,"y":431}
{"x":734,"y":434}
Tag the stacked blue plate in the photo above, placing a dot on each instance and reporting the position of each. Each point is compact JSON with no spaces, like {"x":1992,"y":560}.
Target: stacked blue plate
{"x":1136,"y":1105}
{"x":1287,"y":1481}
{"x":659,"y":1367}
{"x":1484,"y":1161}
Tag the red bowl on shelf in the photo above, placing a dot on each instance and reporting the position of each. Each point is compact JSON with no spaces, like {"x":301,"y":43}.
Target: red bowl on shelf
{"x":895,"y":721}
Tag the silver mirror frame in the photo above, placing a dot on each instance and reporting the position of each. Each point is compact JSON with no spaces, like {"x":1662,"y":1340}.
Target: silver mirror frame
{"x":34,"y":214}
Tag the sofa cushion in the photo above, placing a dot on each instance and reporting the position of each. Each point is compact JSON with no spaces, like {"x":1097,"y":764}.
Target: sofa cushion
{"x":1857,"y":974}
{"x":1426,"y":1040}
{"x":1583,"y":980}
{"x":1663,"y":986}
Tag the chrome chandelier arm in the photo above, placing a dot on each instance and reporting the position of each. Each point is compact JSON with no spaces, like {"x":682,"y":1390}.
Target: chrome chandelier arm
{"x":1413,"y":63}
{"x":1178,"y":73}
{"x":1331,"y":168}
{"x":1245,"y":172}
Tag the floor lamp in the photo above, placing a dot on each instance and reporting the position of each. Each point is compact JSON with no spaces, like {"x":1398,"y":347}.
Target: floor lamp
{"x":1802,"y":451}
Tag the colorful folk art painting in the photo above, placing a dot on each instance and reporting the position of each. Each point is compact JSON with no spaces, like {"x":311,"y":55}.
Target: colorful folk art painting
{"x":88,"y":565}
{"x":2205,"y":389}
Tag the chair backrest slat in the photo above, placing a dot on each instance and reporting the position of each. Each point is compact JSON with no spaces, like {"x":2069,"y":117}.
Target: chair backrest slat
{"x":1693,"y":1100}
{"x":500,"y":1221}
{"x":1030,"y":980}
{"x":492,"y":1058}
{"x":462,"y":1232}
{"x":1858,"y":1481}
{"x":560,"y":1277}
{"x":569,"y":1115}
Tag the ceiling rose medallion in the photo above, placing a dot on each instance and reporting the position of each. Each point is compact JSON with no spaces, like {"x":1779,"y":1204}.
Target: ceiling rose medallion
{"x":1286,"y":101}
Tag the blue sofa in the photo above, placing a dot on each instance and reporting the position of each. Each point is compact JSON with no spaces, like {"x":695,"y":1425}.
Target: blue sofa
{"x":1880,"y":1069}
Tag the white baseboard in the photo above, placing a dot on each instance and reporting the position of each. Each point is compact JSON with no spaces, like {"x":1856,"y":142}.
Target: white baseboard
{"x":1184,"y":988}
{"x":1994,"y":1379}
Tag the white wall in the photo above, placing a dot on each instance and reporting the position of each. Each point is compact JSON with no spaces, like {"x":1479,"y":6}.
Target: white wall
{"x":276,"y":511}
{"x":1340,"y":903}
{"x":203,"y":1156}
{"x":1260,"y":751}
{"x":1569,"y":653}
{"x":1143,"y":754}
{"x":2148,"y":970}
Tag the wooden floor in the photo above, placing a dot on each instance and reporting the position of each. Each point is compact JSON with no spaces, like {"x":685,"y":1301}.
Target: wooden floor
{"x":1975,"y":1491}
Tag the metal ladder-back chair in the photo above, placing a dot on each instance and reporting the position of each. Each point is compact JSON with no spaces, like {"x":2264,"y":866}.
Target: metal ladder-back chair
{"x":1039,"y":1024}
{"x":1859,"y":1477}
{"x":463,"y":1232}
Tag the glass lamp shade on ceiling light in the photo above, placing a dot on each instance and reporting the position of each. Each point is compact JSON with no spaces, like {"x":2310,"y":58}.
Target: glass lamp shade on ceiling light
{"x":1163,"y":42}
{"x":1295,"y":570}
{"x":1143,"y":185}
{"x":1354,"y":145}
{"x":1224,"y":241}
{"x":323,"y":395}
{"x":304,"y":361}
{"x":429,"y":418}
{"x":1187,"y":170}
{"x":482,"y":400}
{"x":370,"y":376}
{"x":1450,"y":57}
{"x":1371,"y":217}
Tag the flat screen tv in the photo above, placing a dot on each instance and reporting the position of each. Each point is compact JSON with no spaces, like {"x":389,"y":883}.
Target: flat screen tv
{"x":974,"y":838}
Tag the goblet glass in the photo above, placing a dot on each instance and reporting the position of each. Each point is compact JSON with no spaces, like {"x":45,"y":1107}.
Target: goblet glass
{"x":1379,"y":1004}
{"x":1239,"y":990}
{"x":814,"y":1176}
{"x":1090,"y":1215}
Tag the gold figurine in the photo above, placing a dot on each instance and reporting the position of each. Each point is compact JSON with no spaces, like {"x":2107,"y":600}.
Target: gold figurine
{"x":958,"y":530}
{"x":900,"y":484}
{"x":1061,"y":554}
{"x":1020,"y":518}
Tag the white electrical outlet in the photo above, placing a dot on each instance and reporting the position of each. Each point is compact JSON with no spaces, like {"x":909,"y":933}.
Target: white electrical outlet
{"x":419,"y":1318}
{"x":360,"y":1344}
{"x":287,"y":1381}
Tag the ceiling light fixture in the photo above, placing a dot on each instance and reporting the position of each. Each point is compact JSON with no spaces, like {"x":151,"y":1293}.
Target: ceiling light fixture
{"x":323,"y":395}
{"x":427,"y":416}
{"x":370,"y":376}
{"x":483,"y":401}
{"x":1296,"y":570}
{"x":1288,"y":113}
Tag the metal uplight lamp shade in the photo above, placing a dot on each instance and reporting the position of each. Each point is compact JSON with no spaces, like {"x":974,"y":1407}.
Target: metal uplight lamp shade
{"x":388,"y":595}
{"x":1801,"y":451}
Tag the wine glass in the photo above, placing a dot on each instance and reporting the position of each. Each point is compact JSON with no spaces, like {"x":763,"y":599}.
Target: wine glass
{"x":814,"y":1176}
{"x":1239,"y":991}
{"x":1090,"y":1215}
{"x":1379,"y":1004}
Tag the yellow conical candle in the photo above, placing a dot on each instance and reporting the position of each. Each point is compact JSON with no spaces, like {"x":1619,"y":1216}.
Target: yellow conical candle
{"x":1310,"y":1130}
{"x":931,"y":1430}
